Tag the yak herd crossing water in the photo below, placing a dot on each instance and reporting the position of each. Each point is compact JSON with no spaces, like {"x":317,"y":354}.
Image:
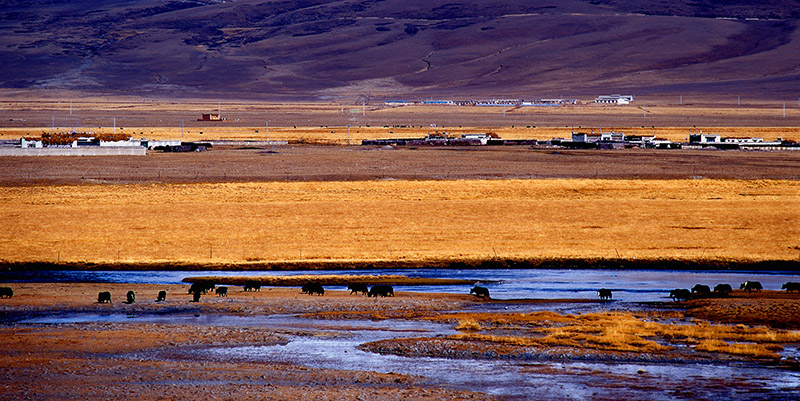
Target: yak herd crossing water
{"x":198,"y":289}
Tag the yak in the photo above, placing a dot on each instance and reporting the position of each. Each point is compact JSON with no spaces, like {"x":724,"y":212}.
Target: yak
{"x":701,"y":290}
{"x":482,"y":292}
{"x":222,"y":291}
{"x":130,"y":297}
{"x":104,"y":297}
{"x":196,"y":296}
{"x":6,"y":292}
{"x":751,"y":285}
{"x":201,"y":287}
{"x":723,"y":289}
{"x":358,"y":287}
{"x":680,"y":294}
{"x":604,"y":294}
{"x":791,"y":286}
{"x":312,"y":288}
{"x":162,"y":296}
{"x":252,"y":286}
{"x":382,"y":290}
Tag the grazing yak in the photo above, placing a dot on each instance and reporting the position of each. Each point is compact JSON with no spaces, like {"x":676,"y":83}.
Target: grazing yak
{"x":252,"y":286}
{"x":482,"y":292}
{"x":312,"y":288}
{"x":201,"y":287}
{"x":358,"y":287}
{"x":604,"y":294}
{"x":104,"y":297}
{"x":6,"y":292}
{"x":222,"y":291}
{"x":381,"y":290}
{"x":751,"y":285}
{"x":723,"y":289}
{"x":680,"y":294}
{"x":162,"y":296}
{"x":791,"y":286}
{"x":130,"y":297}
{"x":701,"y":290}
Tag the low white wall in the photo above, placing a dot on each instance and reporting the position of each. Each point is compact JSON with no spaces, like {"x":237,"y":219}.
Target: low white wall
{"x":86,"y":151}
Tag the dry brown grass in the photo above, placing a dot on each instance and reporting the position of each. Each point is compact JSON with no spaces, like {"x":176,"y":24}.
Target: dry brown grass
{"x":401,"y":220}
{"x":626,"y":333}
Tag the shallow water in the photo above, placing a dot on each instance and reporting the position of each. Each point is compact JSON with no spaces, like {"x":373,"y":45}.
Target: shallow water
{"x":627,"y":285}
{"x":568,"y":380}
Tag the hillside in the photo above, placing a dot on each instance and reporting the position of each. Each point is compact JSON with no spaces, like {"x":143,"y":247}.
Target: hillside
{"x":342,"y":49}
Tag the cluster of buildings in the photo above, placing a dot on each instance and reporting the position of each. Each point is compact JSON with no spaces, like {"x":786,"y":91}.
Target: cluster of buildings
{"x":86,"y":144}
{"x":488,"y":102}
{"x":603,"y":99}
{"x":590,"y":140}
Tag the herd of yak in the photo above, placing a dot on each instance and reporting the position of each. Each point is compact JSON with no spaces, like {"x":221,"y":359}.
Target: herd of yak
{"x":722,"y":290}
{"x":200,"y":288}
{"x":383,"y":290}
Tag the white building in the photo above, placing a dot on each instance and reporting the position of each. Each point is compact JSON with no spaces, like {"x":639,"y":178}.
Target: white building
{"x":614,"y":99}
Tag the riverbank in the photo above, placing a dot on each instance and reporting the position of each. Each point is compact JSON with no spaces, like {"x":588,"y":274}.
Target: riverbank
{"x":56,"y":336}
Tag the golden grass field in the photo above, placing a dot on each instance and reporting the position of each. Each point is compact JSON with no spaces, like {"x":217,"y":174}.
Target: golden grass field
{"x":401,"y":220}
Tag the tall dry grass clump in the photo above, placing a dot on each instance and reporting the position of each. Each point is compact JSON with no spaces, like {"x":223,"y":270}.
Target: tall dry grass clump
{"x":623,"y":332}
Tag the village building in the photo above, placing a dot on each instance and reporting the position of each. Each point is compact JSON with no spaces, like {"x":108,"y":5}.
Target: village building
{"x":614,"y":99}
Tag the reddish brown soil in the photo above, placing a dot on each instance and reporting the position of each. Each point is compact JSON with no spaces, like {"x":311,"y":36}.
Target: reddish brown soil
{"x":335,"y":163}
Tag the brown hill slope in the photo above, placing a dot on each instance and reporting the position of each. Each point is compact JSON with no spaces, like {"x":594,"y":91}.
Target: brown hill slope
{"x":323,"y":49}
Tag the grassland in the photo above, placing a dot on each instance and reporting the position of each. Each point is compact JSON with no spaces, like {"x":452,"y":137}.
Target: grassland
{"x":245,"y":223}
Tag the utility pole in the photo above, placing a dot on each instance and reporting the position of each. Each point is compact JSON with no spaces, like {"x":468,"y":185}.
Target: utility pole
{"x":115,"y":125}
{"x":348,"y":134}
{"x":182,"y":129}
{"x":267,"y":130}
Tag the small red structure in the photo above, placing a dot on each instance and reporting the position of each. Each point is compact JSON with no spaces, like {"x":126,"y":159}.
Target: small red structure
{"x":210,"y":117}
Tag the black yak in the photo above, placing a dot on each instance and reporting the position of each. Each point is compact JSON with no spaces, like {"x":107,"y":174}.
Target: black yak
{"x":104,"y":297}
{"x":751,"y":285}
{"x":791,"y":286}
{"x":252,"y":286}
{"x":201,"y":287}
{"x":162,"y":296}
{"x":680,"y":294}
{"x":358,"y":287}
{"x":6,"y":292}
{"x":130,"y":297}
{"x":604,"y":294}
{"x":222,"y":291}
{"x":723,"y":289}
{"x":701,"y":290}
{"x":382,"y":290}
{"x":482,"y":292}
{"x":312,"y":288}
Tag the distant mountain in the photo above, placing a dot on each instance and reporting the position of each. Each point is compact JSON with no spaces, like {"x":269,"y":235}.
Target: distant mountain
{"x":340,"y":49}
